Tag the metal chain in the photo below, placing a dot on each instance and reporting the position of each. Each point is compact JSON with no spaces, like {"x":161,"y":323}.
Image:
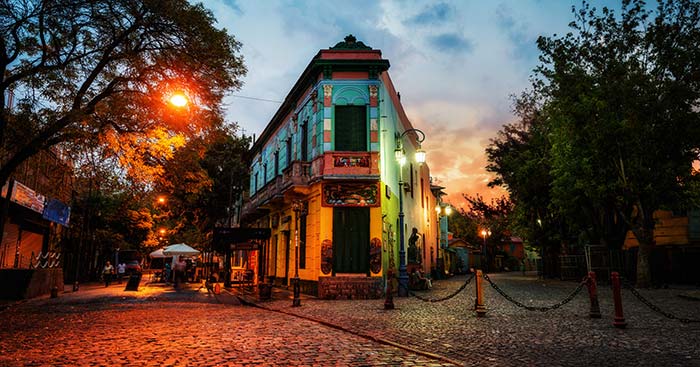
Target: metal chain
{"x":655,"y":308}
{"x":424,"y":299}
{"x":566,"y":300}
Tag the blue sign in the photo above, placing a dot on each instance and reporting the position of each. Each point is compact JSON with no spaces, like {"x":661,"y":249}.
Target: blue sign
{"x":57,"y":212}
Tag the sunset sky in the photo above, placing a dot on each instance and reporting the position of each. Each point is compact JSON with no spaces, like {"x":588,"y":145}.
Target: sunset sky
{"x":455,"y":63}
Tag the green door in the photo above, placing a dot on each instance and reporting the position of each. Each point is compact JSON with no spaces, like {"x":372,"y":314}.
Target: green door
{"x":351,"y":240}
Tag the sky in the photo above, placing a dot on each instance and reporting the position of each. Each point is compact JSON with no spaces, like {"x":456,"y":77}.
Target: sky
{"x":457,"y":65}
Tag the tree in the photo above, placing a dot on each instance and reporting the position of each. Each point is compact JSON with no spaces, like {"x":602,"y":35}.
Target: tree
{"x":80,"y":68}
{"x":520,"y":158}
{"x":621,"y":97}
{"x":203,"y":181}
{"x":493,"y":218}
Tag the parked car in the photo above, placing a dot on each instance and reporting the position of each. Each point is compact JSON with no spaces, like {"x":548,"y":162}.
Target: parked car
{"x":133,"y":267}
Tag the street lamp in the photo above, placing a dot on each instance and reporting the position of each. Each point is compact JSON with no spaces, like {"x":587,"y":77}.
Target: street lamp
{"x":178,"y":99}
{"x":443,"y":211}
{"x":401,"y":158}
{"x":299,"y":208}
{"x":485,"y":233}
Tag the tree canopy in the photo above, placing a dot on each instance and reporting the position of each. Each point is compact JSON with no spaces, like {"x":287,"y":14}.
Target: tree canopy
{"x":75,"y":69}
{"x":618,"y":99}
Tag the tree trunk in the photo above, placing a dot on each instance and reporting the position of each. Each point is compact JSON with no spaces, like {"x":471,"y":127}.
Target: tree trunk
{"x":645,"y":237}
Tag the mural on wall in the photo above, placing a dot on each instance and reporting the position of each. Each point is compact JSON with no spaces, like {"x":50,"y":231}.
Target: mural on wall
{"x":349,"y":161}
{"x":375,"y":255}
{"x":351,"y":194}
{"x":326,"y":256}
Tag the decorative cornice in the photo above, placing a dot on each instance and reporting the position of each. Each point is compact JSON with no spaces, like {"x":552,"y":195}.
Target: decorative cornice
{"x":350,"y":43}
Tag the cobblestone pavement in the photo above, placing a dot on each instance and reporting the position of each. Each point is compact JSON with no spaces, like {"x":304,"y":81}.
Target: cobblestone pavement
{"x":158,"y":326}
{"x":511,"y":336}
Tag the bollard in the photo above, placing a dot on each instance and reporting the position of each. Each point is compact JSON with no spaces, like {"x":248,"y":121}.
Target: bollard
{"x":619,"y":321}
{"x":54,"y":291}
{"x":76,"y":286}
{"x":593,"y":295}
{"x":389,"y":301}
{"x":217,"y":288}
{"x":480,"y":309}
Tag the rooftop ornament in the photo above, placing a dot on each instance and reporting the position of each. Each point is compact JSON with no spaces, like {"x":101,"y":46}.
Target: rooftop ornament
{"x":350,"y":43}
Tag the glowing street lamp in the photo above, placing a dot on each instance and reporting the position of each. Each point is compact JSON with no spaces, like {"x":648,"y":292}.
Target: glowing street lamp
{"x":178,"y":99}
{"x":484,"y":233}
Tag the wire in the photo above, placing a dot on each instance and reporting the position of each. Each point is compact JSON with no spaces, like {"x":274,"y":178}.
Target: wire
{"x":256,"y":99}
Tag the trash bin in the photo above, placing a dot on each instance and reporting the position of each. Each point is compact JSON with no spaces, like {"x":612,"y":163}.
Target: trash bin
{"x":264,"y":291}
{"x":133,"y":283}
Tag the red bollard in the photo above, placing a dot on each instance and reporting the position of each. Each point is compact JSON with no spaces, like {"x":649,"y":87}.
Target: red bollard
{"x":619,"y":321}
{"x":480,"y":308}
{"x":593,"y":296}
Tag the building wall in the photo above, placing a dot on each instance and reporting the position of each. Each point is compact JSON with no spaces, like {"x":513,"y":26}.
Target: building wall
{"x":315,"y":108}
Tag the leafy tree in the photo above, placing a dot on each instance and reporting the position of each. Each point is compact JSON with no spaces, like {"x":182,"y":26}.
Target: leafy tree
{"x":80,"y":68}
{"x":621,"y":99}
{"x":493,"y":217}
{"x":203,"y":181}
{"x":520,"y":158}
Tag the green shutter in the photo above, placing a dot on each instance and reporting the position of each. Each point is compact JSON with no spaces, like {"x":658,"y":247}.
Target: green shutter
{"x":351,"y":128}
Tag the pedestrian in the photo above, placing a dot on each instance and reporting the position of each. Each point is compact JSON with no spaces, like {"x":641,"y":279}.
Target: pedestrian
{"x":121,"y":270}
{"x":167,"y":272}
{"x":107,"y":273}
{"x":180,"y":267}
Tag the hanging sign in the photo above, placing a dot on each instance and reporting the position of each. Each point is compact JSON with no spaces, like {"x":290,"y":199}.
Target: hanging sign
{"x":27,"y":197}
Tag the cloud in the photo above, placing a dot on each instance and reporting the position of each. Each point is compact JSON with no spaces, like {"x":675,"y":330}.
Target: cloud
{"x":432,"y":14}
{"x":451,"y":42}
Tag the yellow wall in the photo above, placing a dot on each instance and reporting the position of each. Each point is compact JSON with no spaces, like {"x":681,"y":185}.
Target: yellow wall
{"x":669,"y":230}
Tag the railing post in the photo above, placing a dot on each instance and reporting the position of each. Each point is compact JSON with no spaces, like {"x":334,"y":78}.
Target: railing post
{"x":619,"y":321}
{"x":593,"y":296}
{"x":389,"y":301}
{"x":480,"y":308}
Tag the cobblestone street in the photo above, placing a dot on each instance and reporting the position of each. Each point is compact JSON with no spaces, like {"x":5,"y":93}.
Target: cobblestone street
{"x":158,"y":326}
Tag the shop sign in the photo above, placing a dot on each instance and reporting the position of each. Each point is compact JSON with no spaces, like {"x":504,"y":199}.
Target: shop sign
{"x":27,"y":197}
{"x":351,"y":194}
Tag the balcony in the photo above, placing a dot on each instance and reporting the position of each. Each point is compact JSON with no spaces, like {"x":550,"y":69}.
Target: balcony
{"x":350,"y":165}
{"x":295,"y":176}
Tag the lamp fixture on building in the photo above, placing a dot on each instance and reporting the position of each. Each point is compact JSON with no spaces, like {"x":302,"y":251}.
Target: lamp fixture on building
{"x":401,"y":158}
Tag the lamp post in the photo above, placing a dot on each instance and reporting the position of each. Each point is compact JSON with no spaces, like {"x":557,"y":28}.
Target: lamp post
{"x":485,"y":233}
{"x":443,"y":211}
{"x":401,"y":158}
{"x":299,"y":208}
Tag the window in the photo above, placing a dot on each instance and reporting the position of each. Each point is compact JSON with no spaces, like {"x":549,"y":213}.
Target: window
{"x":289,"y":152}
{"x":304,"y":140}
{"x":351,"y":128}
{"x":277,"y":163}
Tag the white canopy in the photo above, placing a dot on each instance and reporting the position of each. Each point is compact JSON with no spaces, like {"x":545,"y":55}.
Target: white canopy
{"x":180,"y":249}
{"x":158,"y":254}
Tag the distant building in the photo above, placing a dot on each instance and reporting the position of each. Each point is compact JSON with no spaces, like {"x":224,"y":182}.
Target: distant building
{"x":37,"y":197}
{"x":325,"y":180}
{"x":676,"y":252}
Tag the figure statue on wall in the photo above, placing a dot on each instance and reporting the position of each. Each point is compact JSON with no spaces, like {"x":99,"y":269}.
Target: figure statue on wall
{"x":413,"y":253}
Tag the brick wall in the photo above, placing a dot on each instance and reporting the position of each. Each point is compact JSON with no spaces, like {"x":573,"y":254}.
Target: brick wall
{"x":350,"y":287}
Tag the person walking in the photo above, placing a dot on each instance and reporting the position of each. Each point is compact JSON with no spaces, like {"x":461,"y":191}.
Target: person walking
{"x":107,"y":272}
{"x":121,"y":270}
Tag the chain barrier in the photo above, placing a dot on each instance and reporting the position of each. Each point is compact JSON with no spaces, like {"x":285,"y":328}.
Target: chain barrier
{"x":566,"y":300}
{"x":425,"y":299}
{"x":655,"y":308}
